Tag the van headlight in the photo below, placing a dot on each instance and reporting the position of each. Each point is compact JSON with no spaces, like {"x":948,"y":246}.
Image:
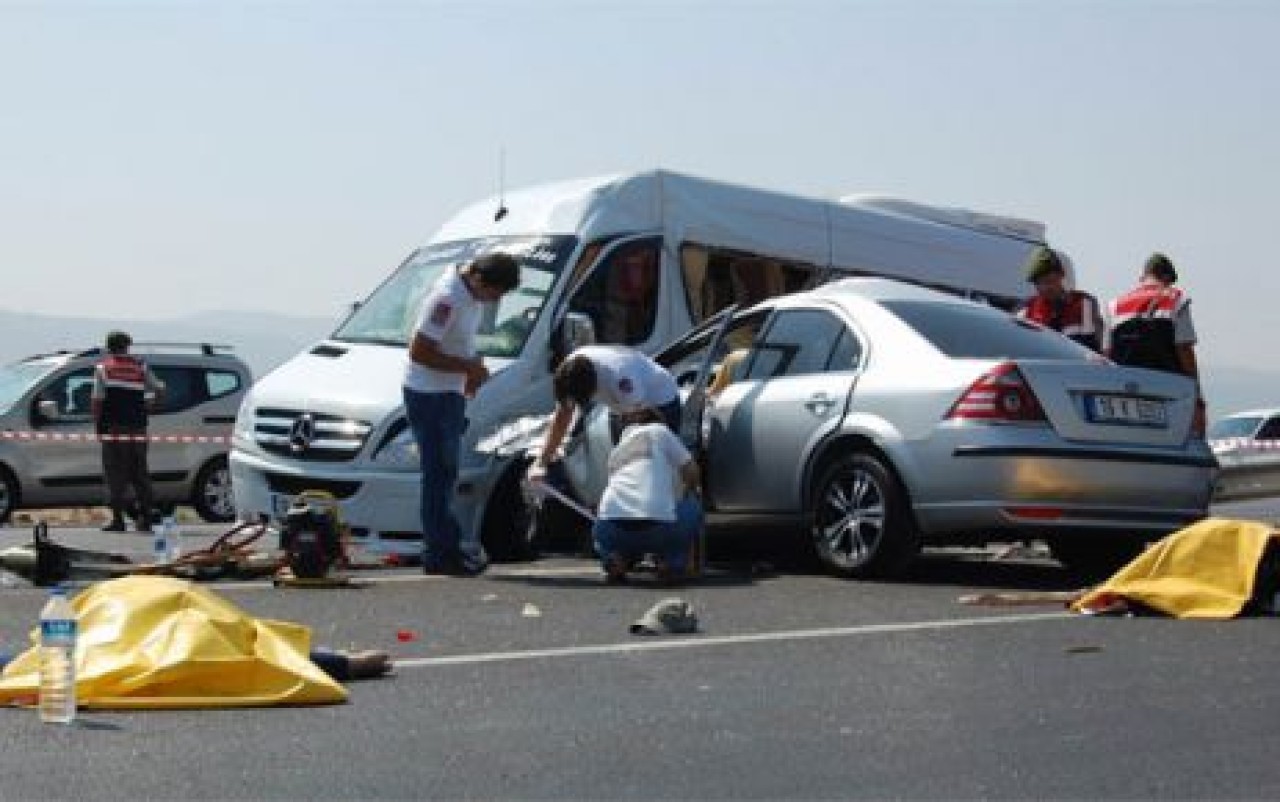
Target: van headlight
{"x":399,"y":453}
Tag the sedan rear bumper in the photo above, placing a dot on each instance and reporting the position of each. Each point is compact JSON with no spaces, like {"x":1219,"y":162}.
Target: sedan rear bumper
{"x":1093,"y":455}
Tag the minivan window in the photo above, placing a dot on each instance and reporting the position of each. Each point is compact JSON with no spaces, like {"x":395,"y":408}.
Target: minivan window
{"x":16,"y":379}
{"x":964,"y":331}
{"x":388,"y":315}
{"x":621,"y":295}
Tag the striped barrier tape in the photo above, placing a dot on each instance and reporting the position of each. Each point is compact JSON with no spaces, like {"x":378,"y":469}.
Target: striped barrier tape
{"x":79,"y":437}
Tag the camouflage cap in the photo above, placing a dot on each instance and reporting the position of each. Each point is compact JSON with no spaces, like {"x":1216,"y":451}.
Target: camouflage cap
{"x":1043,"y":261}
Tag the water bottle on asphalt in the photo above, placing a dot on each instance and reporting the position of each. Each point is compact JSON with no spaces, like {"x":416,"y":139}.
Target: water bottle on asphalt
{"x":161,"y":541}
{"x":174,"y":537}
{"x":57,"y":659}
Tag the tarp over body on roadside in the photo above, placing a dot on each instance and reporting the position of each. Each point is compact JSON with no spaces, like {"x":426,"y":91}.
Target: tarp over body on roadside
{"x":156,"y":642}
{"x":1208,"y":570}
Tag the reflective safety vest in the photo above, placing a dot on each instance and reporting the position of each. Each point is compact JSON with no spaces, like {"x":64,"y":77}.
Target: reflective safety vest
{"x":125,"y":404}
{"x":1074,"y":314}
{"x":1142,"y":327}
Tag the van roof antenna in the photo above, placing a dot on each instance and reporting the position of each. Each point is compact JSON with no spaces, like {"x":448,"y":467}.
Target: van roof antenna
{"x":502,"y":182}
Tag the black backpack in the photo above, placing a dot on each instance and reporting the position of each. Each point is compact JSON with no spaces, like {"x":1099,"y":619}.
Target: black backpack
{"x":1145,"y":341}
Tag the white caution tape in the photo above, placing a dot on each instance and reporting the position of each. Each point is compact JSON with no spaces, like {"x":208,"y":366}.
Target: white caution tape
{"x":78,"y":437}
{"x":1244,"y":444}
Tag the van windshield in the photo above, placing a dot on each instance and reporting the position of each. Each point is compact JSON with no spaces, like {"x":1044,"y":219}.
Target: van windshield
{"x":16,"y":379}
{"x":387,"y":317}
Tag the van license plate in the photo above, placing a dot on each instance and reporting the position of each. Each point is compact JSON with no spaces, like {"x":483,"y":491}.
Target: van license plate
{"x":1126,"y":410}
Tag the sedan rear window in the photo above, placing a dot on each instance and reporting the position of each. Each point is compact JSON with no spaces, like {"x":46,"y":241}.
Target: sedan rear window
{"x":963,"y":331}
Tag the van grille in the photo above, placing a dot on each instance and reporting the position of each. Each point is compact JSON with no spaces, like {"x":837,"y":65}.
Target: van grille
{"x":309,"y":436}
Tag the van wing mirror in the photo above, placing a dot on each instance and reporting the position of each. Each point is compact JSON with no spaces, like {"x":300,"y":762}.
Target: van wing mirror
{"x":578,"y":330}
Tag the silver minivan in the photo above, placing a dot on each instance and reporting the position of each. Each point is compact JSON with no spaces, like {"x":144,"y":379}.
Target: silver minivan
{"x":49,"y":456}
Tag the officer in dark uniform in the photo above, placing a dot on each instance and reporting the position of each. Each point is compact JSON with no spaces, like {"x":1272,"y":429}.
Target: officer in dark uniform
{"x":120,"y":386}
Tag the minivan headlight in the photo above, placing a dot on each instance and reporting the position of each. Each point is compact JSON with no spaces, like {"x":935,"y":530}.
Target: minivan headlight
{"x":400,"y":453}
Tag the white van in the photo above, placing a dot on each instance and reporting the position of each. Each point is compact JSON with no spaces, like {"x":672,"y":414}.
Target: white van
{"x":631,"y":259}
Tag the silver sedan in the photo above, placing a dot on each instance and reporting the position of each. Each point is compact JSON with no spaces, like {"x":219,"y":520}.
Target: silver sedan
{"x":882,"y":417}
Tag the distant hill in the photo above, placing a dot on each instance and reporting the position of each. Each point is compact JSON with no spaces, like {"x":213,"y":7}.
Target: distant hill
{"x":262,"y":340}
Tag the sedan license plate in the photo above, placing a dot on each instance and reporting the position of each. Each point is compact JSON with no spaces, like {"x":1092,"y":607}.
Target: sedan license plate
{"x":1126,"y":410}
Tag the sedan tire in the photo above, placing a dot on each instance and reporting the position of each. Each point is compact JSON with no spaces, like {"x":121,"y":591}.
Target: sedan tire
{"x":860,"y":522}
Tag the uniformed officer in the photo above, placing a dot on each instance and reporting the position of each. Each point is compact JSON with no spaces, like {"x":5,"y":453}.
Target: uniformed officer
{"x":120,"y":386}
{"x":1151,"y":327}
{"x":1073,"y":313}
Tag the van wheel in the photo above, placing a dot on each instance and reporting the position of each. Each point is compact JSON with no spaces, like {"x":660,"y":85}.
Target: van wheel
{"x":509,"y":531}
{"x":1095,"y":557}
{"x":8,"y":494}
{"x":212,"y":496}
{"x":860,"y":523}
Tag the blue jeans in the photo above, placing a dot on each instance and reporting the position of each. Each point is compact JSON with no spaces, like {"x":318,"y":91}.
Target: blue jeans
{"x":438,"y":421}
{"x":631,"y":540}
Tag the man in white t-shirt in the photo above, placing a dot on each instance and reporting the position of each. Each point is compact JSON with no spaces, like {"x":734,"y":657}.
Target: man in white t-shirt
{"x":650,"y":505}
{"x":623,"y":379}
{"x":442,"y":371}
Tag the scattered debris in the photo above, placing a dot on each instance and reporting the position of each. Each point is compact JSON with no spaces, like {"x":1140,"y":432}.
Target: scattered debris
{"x":668,"y":617}
{"x":406,"y":635}
{"x":1023,"y":598}
{"x":489,"y":597}
{"x":531,"y":611}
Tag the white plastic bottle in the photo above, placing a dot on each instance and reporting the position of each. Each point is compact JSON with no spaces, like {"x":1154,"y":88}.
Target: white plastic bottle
{"x":174,"y":537}
{"x":161,"y":541}
{"x":57,"y":659}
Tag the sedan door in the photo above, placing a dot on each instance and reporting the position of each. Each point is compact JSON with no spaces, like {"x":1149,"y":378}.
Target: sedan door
{"x":761,"y":428}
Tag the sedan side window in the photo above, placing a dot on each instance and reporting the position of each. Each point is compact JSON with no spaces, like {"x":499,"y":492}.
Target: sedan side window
{"x":1270,"y":430}
{"x":799,"y":342}
{"x":847,"y":354}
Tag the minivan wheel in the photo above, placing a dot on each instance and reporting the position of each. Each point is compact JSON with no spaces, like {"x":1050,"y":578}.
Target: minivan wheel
{"x":212,"y":496}
{"x":508,"y":534}
{"x":860,"y":524}
{"x":1095,"y":557}
{"x":8,"y":494}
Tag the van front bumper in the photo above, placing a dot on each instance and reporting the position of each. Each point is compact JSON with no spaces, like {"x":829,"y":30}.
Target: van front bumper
{"x":382,"y":508}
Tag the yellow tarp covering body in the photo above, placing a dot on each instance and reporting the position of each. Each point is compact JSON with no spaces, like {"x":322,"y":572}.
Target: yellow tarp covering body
{"x":155,"y":642}
{"x":1207,"y":570}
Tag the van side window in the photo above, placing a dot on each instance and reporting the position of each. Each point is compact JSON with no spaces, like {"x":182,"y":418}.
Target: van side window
{"x":715,"y":279}
{"x":621,"y":294}
{"x":797,"y":343}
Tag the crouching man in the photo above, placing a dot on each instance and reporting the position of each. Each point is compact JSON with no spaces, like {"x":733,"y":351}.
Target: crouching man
{"x":651,"y":503}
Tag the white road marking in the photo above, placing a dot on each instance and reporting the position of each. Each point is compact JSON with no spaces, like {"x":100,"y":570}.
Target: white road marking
{"x":696,"y":642}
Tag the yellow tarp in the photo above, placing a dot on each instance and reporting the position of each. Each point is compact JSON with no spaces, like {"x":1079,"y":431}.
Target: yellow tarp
{"x":1204,"y":571}
{"x":155,"y":642}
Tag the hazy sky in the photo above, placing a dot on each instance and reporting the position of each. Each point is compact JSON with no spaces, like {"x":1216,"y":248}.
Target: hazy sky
{"x":167,"y":157}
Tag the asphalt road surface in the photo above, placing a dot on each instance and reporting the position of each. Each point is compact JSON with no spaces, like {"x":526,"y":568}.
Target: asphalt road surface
{"x":797,"y":686}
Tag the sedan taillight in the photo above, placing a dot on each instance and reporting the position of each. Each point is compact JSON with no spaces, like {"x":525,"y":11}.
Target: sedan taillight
{"x":1002,"y":395}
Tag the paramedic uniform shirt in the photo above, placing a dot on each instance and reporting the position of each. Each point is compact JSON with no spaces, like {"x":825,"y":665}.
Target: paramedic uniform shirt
{"x":449,"y":315}
{"x":643,"y":475}
{"x":627,"y":380}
